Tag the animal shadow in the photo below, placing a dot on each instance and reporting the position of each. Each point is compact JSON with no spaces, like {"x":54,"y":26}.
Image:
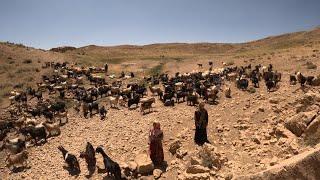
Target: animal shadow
{"x":71,"y":171}
{"x":20,"y":169}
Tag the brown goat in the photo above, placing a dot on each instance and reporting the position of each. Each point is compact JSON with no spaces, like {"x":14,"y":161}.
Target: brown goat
{"x":16,"y":159}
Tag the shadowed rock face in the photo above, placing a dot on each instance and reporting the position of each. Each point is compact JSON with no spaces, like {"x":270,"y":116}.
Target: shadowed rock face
{"x":302,"y":166}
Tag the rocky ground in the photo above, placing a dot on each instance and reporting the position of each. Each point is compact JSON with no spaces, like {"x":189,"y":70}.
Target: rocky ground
{"x":247,"y":133}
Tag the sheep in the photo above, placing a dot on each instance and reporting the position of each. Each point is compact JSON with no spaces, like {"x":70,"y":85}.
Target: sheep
{"x":85,"y":109}
{"x":93,"y":106}
{"x":70,"y":159}
{"x":293,"y":80}
{"x":309,"y":80}
{"x":111,"y":166}
{"x":90,"y":156}
{"x":20,"y":158}
{"x":115,"y":90}
{"x":301,"y":79}
{"x":228,"y":92}
{"x":270,"y":84}
{"x":192,"y":99}
{"x":155,"y":90}
{"x":122,"y":101}
{"x":15,"y":145}
{"x":146,"y":104}
{"x":113,"y":101}
{"x":53,"y":129}
{"x":37,"y":132}
{"x":178,"y":86}
{"x":169,"y":102}
{"x":180,"y":94}
{"x":102,"y":112}
{"x":242,"y":83}
{"x":61,"y":116}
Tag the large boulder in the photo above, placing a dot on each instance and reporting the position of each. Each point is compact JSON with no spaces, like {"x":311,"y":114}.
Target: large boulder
{"x":312,"y":133}
{"x":302,"y":166}
{"x":144,"y":164}
{"x":298,"y":123}
{"x":303,"y":104}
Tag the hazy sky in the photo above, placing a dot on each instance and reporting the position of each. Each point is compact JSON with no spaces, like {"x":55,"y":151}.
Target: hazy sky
{"x":51,"y":23}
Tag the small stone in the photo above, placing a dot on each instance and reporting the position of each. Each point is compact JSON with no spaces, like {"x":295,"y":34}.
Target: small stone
{"x":157,"y":173}
{"x":174,"y":146}
{"x":196,"y":169}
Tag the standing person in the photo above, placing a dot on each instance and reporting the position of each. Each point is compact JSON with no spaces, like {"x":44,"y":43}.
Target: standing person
{"x":201,"y":123}
{"x":106,"y":67}
{"x":155,"y":144}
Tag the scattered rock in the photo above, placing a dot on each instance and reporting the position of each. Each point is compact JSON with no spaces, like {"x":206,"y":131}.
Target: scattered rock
{"x":302,"y":166}
{"x":132,"y":165}
{"x":261,"y":109}
{"x":181,"y":153}
{"x":196,"y":169}
{"x":157,"y":173}
{"x":312,"y":132}
{"x":203,"y":176}
{"x":174,"y":146}
{"x":144,"y":164}
{"x":298,"y":123}
{"x":274,"y":100}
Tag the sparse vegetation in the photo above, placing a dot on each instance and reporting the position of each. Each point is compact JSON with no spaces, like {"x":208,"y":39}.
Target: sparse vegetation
{"x":156,"y":69}
{"x":311,"y":65}
{"x":27,"y":61}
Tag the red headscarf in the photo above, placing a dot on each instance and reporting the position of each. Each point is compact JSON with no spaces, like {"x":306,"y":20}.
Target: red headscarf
{"x":155,"y":131}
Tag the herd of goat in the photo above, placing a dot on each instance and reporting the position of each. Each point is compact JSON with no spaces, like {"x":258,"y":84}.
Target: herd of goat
{"x":69,"y":85}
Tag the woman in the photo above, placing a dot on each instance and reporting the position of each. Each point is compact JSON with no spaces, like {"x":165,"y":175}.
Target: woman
{"x":155,"y":142}
{"x":201,"y":123}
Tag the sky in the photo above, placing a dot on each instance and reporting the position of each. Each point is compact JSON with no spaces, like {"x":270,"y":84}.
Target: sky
{"x":51,"y":23}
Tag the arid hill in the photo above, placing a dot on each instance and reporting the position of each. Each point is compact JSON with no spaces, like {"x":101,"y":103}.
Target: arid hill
{"x":251,"y":133}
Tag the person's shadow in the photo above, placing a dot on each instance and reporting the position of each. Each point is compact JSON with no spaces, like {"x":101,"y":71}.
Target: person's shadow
{"x":163,"y":167}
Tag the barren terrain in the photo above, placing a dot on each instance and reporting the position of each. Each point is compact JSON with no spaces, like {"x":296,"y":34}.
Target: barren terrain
{"x":248,"y":129}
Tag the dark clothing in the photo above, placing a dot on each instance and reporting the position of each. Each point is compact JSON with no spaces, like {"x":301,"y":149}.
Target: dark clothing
{"x":201,"y":123}
{"x":200,"y":136}
{"x":155,"y":148}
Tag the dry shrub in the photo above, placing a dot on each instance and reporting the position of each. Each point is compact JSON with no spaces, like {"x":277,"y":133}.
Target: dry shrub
{"x":311,"y":65}
{"x":27,"y":61}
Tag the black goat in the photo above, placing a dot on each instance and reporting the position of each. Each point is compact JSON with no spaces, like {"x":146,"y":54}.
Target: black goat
{"x":93,"y":106}
{"x":242,"y":84}
{"x":37,"y":133}
{"x":134,"y":100}
{"x":90,"y":157}
{"x":192,"y":99}
{"x":293,"y":80}
{"x":179,"y":95}
{"x":70,"y":159}
{"x":270,"y":84}
{"x":112,"y":167}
